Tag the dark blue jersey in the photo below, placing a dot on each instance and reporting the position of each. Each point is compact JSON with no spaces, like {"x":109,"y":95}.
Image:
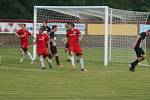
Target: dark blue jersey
{"x":53,"y":38}
{"x":143,"y":35}
{"x":46,"y":28}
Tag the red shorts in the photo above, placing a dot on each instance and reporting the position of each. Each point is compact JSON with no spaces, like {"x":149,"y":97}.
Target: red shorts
{"x":76,"y":49}
{"x":24,"y":47}
{"x":42,"y":51}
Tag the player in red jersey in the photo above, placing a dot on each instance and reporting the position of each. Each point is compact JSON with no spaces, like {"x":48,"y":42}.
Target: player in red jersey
{"x":24,"y":35}
{"x":73,"y":37}
{"x":43,"y":47}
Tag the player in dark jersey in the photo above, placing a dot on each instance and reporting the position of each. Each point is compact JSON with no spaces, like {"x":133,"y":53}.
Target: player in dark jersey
{"x":47,"y":29}
{"x":138,"y":50}
{"x":53,"y":47}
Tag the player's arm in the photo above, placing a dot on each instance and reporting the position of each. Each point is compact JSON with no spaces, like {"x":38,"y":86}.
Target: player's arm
{"x":31,"y":45}
{"x":135,"y":42}
{"x":65,"y":40}
{"x":33,"y":37}
{"x":48,"y":44}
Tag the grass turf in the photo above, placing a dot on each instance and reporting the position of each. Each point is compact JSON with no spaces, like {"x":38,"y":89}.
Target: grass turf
{"x":29,"y":82}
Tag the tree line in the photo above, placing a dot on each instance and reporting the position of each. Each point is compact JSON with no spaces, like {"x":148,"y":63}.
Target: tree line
{"x":23,"y":9}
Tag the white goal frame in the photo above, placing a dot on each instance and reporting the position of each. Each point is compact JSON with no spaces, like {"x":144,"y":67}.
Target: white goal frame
{"x":105,"y":22}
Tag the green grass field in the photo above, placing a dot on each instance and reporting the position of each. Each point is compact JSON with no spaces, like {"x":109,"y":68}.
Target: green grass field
{"x":22,"y":81}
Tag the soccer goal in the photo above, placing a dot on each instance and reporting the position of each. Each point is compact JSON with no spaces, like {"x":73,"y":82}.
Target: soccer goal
{"x":107,"y":33}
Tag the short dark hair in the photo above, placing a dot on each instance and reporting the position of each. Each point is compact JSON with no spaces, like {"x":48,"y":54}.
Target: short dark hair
{"x":148,"y":30}
{"x":54,"y":26}
{"x":72,"y":24}
{"x":24,"y":25}
{"x":45,"y":21}
{"x":42,"y":29}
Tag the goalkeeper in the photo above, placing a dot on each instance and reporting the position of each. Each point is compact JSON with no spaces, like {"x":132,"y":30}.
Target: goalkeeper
{"x":138,"y":50}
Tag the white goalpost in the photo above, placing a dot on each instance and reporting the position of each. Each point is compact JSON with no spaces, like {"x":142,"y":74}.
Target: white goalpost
{"x":108,"y":33}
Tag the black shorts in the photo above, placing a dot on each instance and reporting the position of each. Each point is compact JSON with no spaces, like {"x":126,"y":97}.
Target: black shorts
{"x":53,"y":50}
{"x":67,"y":45}
{"x":24,"y":49}
{"x":139,"y":52}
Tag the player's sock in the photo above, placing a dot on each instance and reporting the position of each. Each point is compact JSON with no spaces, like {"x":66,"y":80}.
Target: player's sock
{"x":29,"y":54}
{"x":49,"y":63}
{"x":72,"y":60}
{"x":135,"y":63}
{"x":57,"y":60}
{"x":22,"y":56}
{"x":42,"y":62}
{"x":81,"y":63}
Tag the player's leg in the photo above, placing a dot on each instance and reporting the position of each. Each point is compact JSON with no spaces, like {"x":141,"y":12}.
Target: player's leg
{"x":49,"y":62}
{"x":55,"y":53}
{"x":72,"y":60}
{"x":22,"y":54}
{"x":46,"y":56}
{"x":41,"y":61}
{"x":140,"y":57}
{"x":67,"y":51}
{"x":30,"y":56}
{"x":79,"y":53}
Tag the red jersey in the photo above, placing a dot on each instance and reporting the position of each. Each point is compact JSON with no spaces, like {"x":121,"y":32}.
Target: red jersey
{"x":73,"y":36}
{"x":42,"y":40}
{"x":24,"y":36}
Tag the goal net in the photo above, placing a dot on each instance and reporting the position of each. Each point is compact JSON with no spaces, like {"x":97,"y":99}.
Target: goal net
{"x":107,"y":33}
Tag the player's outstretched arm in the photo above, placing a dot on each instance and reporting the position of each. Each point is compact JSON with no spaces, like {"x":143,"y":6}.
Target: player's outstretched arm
{"x":135,"y":42}
{"x":33,"y":37}
{"x":31,"y":45}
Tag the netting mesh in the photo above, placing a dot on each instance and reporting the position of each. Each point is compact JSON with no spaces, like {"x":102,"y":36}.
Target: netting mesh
{"x":121,"y":40}
{"x":92,"y":45}
{"x":122,"y":28}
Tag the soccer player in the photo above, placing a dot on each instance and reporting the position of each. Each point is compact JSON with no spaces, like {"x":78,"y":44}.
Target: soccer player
{"x":47,"y":29}
{"x":73,"y":36}
{"x":66,"y":43}
{"x":42,"y":42}
{"x":24,"y":35}
{"x":138,"y":50}
{"x":53,"y":47}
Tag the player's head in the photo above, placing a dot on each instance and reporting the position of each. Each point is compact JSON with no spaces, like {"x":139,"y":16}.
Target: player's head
{"x":66,"y":26}
{"x":71,"y":25}
{"x":45,"y":22}
{"x":148,"y":32}
{"x":23,"y":26}
{"x":54,"y":28}
{"x":41,"y":30}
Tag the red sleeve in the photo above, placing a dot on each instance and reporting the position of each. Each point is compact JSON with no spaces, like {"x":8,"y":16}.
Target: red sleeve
{"x":46,"y":37}
{"x":19,"y":32}
{"x":78,"y":31}
{"x":29,"y":34}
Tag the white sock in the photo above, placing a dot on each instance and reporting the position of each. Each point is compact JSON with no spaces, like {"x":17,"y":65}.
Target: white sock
{"x":41,"y":61}
{"x":29,"y":54}
{"x":72,"y":60}
{"x":81,"y":63}
{"x":22,"y":56}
